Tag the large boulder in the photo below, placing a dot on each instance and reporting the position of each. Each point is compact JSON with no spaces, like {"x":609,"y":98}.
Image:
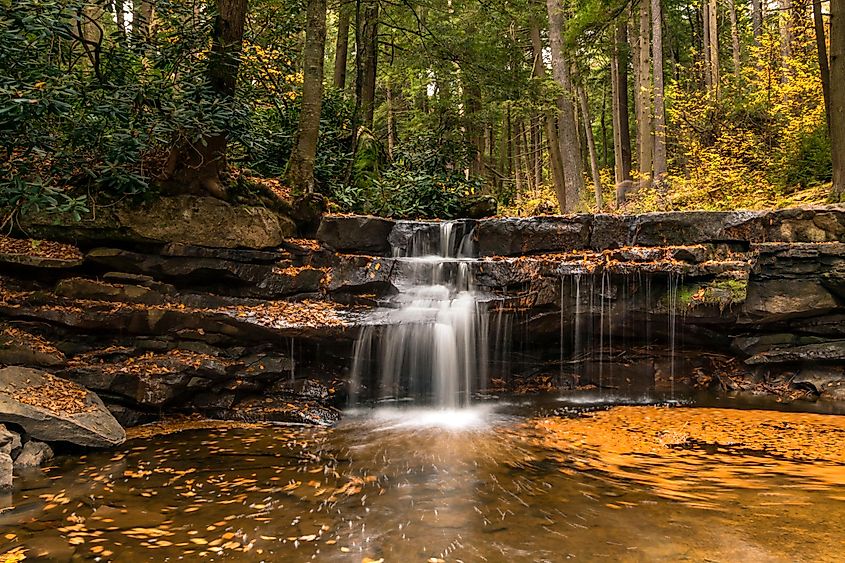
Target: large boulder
{"x":781,"y":299}
{"x":52,"y":409}
{"x":186,"y":219}
{"x":357,"y":234}
{"x":205,"y":221}
{"x":18,"y":347}
{"x":516,"y":236}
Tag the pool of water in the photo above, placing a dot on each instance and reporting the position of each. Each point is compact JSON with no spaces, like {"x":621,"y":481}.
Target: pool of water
{"x":579,"y":477}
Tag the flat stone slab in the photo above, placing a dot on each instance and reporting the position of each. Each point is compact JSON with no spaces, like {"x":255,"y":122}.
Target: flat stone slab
{"x":53,"y":409}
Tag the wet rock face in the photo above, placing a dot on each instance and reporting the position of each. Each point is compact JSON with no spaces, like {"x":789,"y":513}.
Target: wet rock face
{"x":56,"y":410}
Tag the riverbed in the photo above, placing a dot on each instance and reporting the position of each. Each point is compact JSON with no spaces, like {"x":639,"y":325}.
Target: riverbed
{"x":571,"y":478}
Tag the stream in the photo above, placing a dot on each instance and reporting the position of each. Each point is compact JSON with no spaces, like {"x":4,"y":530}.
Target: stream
{"x":545,"y":479}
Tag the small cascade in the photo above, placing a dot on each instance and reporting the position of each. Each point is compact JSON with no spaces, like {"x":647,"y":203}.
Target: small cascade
{"x":432,"y":346}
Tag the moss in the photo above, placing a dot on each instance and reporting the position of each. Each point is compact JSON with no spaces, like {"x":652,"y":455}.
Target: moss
{"x":724,"y":292}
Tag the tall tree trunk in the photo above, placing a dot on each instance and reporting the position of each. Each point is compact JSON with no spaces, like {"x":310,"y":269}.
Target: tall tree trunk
{"x":391,"y":118}
{"x":660,"y":164}
{"x":143,"y":16}
{"x":120,"y":18}
{"x":645,"y":142}
{"x":621,"y":126}
{"x":735,"y":47}
{"x":837,"y":96}
{"x":366,"y":42}
{"x":341,"y":53}
{"x":821,"y":48}
{"x":198,"y":167}
{"x":570,"y":148}
{"x":785,"y":27}
{"x":591,"y":145}
{"x":552,"y":140}
{"x":712,"y":33}
{"x":301,"y":165}
{"x":757,"y":20}
{"x":536,"y":149}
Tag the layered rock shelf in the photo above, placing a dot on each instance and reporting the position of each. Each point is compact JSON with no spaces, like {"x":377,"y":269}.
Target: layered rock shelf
{"x":173,"y":321}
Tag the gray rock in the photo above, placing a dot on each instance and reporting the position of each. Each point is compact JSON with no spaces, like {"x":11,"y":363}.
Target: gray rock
{"x":206,"y":221}
{"x":81,"y":288}
{"x":33,"y":454}
{"x":18,"y":347}
{"x":10,"y":441}
{"x":517,"y":237}
{"x":85,"y":422}
{"x":361,"y":234}
{"x":6,"y":470}
{"x":780,"y":299}
{"x":832,"y":351}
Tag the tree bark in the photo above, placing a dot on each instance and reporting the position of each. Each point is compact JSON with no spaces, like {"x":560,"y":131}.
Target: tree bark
{"x":660,"y":164}
{"x":570,"y":148}
{"x":621,"y":126}
{"x":735,"y":47}
{"x":366,"y":42}
{"x":341,"y":54}
{"x":591,"y":146}
{"x":645,"y":142}
{"x":821,"y":48}
{"x":198,"y":167}
{"x":757,"y":20}
{"x":143,"y":16}
{"x":391,"y":119}
{"x":837,"y":96}
{"x":785,"y":27}
{"x":301,"y":165}
{"x":552,"y":140}
{"x":712,"y":34}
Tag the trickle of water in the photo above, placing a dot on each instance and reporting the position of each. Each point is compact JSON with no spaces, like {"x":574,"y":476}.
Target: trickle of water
{"x":433,"y":345}
{"x":672,"y":296}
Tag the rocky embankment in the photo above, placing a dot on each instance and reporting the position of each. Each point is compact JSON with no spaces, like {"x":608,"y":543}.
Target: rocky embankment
{"x":190,"y":305}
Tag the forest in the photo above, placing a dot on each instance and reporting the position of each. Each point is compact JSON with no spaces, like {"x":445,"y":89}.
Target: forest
{"x":424,"y":108}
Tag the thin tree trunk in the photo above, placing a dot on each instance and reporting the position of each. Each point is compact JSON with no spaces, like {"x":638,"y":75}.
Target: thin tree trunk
{"x":366,"y":41}
{"x":757,"y":20}
{"x":568,"y":127}
{"x":301,"y":166}
{"x":645,"y":142}
{"x":621,"y":126}
{"x":737,"y":53}
{"x":660,"y":164}
{"x":552,"y":141}
{"x":341,"y":55}
{"x":705,"y":46}
{"x":591,"y":145}
{"x":120,"y":18}
{"x":821,"y":48}
{"x":537,"y":149}
{"x":785,"y":27}
{"x":837,"y":96}
{"x":143,"y":16}
{"x":391,"y":119}
{"x":713,"y":32}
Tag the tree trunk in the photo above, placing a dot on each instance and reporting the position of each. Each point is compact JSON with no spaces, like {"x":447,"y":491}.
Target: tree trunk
{"x":621,"y":126}
{"x":198,"y":167}
{"x":591,"y":145}
{"x":837,"y":96}
{"x":391,"y":119}
{"x":757,"y":20}
{"x":570,"y":148}
{"x":645,"y":142}
{"x":735,"y":48}
{"x":785,"y":27}
{"x":712,"y":33}
{"x":660,"y":164}
{"x":120,"y":18}
{"x":341,"y":54}
{"x":552,"y":140}
{"x":824,"y":64}
{"x":143,"y":16}
{"x":366,"y":42}
{"x":301,"y":165}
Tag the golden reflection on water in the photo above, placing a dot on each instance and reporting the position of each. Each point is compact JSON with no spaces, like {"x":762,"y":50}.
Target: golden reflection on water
{"x":702,"y":457}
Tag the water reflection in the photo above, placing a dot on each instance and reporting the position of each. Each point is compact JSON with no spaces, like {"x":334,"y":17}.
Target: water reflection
{"x":630,"y":483}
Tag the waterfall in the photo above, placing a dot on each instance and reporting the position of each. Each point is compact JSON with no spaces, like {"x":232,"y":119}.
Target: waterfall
{"x":432,"y":346}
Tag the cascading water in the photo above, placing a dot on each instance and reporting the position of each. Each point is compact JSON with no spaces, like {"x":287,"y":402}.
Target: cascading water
{"x":432,"y":346}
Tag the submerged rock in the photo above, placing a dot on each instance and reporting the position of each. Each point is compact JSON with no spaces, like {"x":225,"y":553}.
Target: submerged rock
{"x":33,"y":454}
{"x":56,"y":410}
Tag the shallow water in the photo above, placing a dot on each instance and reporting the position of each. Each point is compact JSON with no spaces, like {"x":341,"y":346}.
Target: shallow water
{"x":492,"y":483}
